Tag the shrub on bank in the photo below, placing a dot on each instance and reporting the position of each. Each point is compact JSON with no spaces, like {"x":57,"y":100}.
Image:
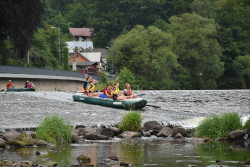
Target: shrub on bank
{"x":131,"y":122}
{"x":247,"y":124}
{"x":217,"y":126}
{"x":54,"y":129}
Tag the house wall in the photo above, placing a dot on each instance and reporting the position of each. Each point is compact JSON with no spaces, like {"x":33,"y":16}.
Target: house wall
{"x":79,"y":58}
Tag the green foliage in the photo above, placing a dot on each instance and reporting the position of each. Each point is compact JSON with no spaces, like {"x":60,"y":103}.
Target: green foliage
{"x":217,"y":126}
{"x":197,"y":49}
{"x":65,"y":56}
{"x":247,"y":124}
{"x":5,"y":51}
{"x":104,"y":78}
{"x":126,"y":76}
{"x":55,"y":130}
{"x":241,"y":65}
{"x":131,"y":122}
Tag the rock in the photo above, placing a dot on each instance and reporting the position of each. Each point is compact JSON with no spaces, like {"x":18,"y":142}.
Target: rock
{"x":41,"y":143}
{"x":83,"y":159}
{"x":75,"y":132}
{"x":180,"y":130}
{"x":130,"y":134}
{"x":87,"y":131}
{"x":96,"y":137}
{"x":147,"y":133}
{"x":165,"y":132}
{"x":152,"y":125}
{"x":2,"y":142}
{"x":26,"y":163}
{"x":237,"y":135}
{"x":24,"y":139}
{"x":247,"y":162}
{"x":31,"y":133}
{"x":38,"y":153}
{"x":106,"y":132}
{"x":50,"y":163}
{"x":192,"y":166}
{"x":80,"y":126}
{"x":5,"y":162}
{"x":116,"y":131}
{"x":124,"y":164}
{"x":178,"y":136}
{"x":76,"y":139}
{"x":114,"y":158}
{"x":10,"y":135}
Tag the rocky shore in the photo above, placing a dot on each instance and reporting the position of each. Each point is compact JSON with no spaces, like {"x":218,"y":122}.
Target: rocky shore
{"x":82,"y":133}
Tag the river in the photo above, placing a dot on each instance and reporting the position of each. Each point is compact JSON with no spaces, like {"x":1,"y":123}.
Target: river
{"x":186,"y":108}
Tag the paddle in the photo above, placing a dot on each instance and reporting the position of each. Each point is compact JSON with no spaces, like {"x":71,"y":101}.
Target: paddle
{"x":141,"y":94}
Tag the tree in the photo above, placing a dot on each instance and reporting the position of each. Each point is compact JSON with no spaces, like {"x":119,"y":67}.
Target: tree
{"x":197,"y":49}
{"x":204,"y":8}
{"x":241,"y":66}
{"x":65,"y":55}
{"x":19,"y":20}
{"x":126,"y":76}
{"x":104,"y":77}
{"x":148,"y":54}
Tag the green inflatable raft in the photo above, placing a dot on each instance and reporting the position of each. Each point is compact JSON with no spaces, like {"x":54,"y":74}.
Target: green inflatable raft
{"x":20,"y":89}
{"x":136,"y":103}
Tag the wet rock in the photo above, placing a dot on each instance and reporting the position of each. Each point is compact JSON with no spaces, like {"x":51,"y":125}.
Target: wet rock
{"x":106,"y":132}
{"x":75,"y":132}
{"x":152,"y":125}
{"x":26,"y":163}
{"x":178,"y":136}
{"x":130,"y":134}
{"x":238,"y":135}
{"x":31,"y":133}
{"x":24,"y":139}
{"x":116,"y":131}
{"x":80,"y":126}
{"x":247,"y":162}
{"x":124,"y":164}
{"x":2,"y":142}
{"x":50,"y":163}
{"x":180,"y":130}
{"x":147,"y":133}
{"x":83,"y":159}
{"x":41,"y":143}
{"x":8,"y":136}
{"x":38,"y":153}
{"x":76,"y":139}
{"x":87,"y":131}
{"x":114,"y":158}
{"x":96,"y":137}
{"x":165,"y":132}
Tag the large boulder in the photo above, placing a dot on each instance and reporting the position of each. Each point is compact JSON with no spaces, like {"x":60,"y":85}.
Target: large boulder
{"x":86,"y":131}
{"x":83,"y":159}
{"x":238,"y":135}
{"x":165,"y":132}
{"x":2,"y":142}
{"x":152,"y":125}
{"x":106,"y":132}
{"x":116,"y":130}
{"x":130,"y":134}
{"x":8,"y":136}
{"x":24,"y":139}
{"x":180,"y":130}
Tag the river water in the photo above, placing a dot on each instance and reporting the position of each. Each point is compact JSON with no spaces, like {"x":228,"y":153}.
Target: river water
{"x":186,"y":108}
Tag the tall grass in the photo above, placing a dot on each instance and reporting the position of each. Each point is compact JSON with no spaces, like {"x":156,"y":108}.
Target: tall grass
{"x":217,"y":126}
{"x":131,"y":122}
{"x":247,"y":124}
{"x":54,"y":129}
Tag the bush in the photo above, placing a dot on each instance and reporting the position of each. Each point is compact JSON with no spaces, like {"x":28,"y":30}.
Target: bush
{"x":131,"y":122}
{"x":247,"y":124}
{"x":54,"y":129}
{"x":216,"y":126}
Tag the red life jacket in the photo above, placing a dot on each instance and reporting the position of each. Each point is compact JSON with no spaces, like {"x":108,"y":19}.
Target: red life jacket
{"x":108,"y":91}
{"x":129,"y":92}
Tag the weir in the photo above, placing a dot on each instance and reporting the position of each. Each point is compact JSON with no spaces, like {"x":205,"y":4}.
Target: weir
{"x":43,"y":79}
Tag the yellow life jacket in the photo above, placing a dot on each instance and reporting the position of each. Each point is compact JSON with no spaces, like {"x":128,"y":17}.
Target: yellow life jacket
{"x":92,"y":88}
{"x":116,"y":90}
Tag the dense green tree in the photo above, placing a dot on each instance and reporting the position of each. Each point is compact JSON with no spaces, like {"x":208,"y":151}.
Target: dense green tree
{"x":18,"y":20}
{"x":204,"y":8}
{"x":234,"y":36}
{"x":104,"y":78}
{"x":147,"y":53}
{"x":126,"y":76}
{"x":65,"y":56}
{"x":5,"y":51}
{"x":241,"y":66}
{"x":197,"y":49}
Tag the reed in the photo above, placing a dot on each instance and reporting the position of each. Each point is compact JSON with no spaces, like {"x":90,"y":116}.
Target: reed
{"x":216,"y":126}
{"x":54,"y":129}
{"x":131,"y":122}
{"x":247,"y":124}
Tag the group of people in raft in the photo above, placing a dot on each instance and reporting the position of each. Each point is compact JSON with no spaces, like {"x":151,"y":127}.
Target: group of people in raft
{"x":109,"y":92}
{"x":28,"y":84}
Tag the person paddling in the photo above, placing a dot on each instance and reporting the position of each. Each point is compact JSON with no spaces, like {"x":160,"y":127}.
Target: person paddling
{"x":115,"y":92}
{"x":91,"y":89}
{"x":9,"y":85}
{"x":128,"y":92}
{"x":86,"y":84}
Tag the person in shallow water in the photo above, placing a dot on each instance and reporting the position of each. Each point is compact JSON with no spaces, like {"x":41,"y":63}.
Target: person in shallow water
{"x":91,"y":89}
{"x":9,"y":85}
{"x":86,"y":84}
{"x":128,"y":92}
{"x":115,"y":93}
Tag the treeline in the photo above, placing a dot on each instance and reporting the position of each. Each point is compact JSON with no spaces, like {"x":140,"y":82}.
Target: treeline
{"x":165,"y":44}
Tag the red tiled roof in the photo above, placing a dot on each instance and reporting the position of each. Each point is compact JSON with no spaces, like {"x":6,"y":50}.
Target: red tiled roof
{"x":80,"y":32}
